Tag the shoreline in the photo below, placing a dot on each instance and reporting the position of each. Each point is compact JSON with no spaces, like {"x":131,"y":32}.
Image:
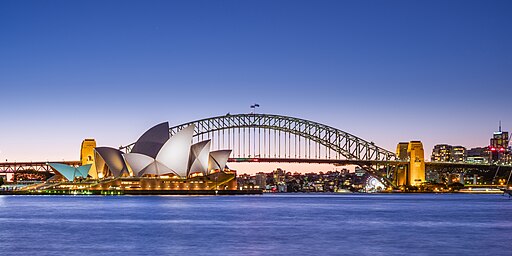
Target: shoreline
{"x":132,"y":192}
{"x":219,"y":192}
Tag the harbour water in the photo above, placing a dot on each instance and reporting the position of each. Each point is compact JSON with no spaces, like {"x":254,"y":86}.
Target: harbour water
{"x":279,"y":224}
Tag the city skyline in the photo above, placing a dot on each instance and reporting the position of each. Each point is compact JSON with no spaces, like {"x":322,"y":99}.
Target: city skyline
{"x":255,"y":127}
{"x":439,"y":73}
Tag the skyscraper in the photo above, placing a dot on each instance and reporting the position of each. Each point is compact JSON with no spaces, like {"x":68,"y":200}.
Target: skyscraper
{"x":499,"y":146}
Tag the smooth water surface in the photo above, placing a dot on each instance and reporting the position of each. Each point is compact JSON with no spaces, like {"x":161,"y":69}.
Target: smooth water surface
{"x":285,"y":224}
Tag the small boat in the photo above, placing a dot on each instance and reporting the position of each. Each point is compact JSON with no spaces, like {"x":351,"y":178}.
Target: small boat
{"x":507,"y":191}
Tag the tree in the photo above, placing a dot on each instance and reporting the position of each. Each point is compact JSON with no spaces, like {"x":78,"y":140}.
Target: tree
{"x":1,"y":181}
{"x":456,"y":186}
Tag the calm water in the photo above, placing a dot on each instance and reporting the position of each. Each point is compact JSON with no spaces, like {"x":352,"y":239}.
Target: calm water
{"x":300,"y":224}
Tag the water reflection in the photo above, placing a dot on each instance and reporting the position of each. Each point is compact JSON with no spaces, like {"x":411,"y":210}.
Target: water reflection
{"x":286,"y":224}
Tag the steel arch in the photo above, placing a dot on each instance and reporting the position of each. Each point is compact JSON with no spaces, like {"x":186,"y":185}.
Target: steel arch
{"x":346,"y":144}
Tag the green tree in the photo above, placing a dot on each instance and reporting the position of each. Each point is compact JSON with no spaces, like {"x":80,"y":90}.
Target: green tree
{"x":1,"y":181}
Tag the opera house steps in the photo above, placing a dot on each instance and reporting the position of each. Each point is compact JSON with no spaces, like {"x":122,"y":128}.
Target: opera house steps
{"x":220,"y":183}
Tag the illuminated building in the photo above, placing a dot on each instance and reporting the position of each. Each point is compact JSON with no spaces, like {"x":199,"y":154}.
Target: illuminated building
{"x":260,"y":180}
{"x":448,"y":153}
{"x":87,"y":156}
{"x":157,"y":154}
{"x":441,"y":153}
{"x":70,"y":173}
{"x":401,"y":151}
{"x":478,"y":155}
{"x":458,"y":154}
{"x":279,"y":176}
{"x":416,"y":163}
{"x":401,"y":173}
{"x":499,"y":146}
{"x":412,"y":174}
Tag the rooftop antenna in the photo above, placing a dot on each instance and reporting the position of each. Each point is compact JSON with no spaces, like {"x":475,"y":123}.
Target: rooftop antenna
{"x":500,"y":126}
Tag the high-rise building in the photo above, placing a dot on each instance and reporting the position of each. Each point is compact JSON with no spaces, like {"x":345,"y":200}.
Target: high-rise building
{"x":448,"y":153}
{"x":441,"y":153}
{"x":499,"y":146}
{"x":261,"y":180}
{"x":458,"y":154}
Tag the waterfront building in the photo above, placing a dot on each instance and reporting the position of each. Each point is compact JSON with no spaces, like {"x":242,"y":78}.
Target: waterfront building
{"x":448,"y":153}
{"x":260,"y":180}
{"x":278,"y":175}
{"x":245,"y":181}
{"x":157,"y":154}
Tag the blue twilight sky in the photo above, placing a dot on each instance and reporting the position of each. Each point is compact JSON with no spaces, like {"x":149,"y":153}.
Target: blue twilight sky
{"x":387,"y":71}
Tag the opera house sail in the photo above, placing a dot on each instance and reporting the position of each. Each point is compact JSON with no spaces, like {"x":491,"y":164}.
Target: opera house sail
{"x":70,"y":173}
{"x":156,"y":154}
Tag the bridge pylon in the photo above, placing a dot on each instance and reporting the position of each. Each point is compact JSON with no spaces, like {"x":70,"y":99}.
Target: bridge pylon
{"x":413,"y":173}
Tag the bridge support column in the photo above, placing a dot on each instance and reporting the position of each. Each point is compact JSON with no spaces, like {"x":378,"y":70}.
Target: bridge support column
{"x":87,"y":156}
{"x":416,"y":174}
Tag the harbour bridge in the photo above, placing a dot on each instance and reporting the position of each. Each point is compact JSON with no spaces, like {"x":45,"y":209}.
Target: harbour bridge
{"x":263,"y":136}
{"x":277,"y":138}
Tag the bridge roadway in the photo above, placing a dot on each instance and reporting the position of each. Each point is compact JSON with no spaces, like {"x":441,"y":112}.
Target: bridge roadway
{"x":341,"y":162}
{"x":10,"y":167}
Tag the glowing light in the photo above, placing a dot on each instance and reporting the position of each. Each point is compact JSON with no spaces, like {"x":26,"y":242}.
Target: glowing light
{"x":373,"y":185}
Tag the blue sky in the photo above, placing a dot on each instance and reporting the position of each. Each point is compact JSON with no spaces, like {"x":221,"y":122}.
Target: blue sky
{"x":386,"y":71}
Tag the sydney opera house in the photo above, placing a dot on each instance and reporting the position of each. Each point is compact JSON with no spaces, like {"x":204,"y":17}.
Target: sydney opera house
{"x":156,"y":163}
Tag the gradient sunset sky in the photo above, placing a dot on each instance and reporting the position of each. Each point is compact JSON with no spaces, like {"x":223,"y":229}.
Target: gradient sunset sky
{"x":386,"y":71}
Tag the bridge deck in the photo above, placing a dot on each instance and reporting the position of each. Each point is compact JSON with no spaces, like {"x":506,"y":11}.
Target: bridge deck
{"x":7,"y":167}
